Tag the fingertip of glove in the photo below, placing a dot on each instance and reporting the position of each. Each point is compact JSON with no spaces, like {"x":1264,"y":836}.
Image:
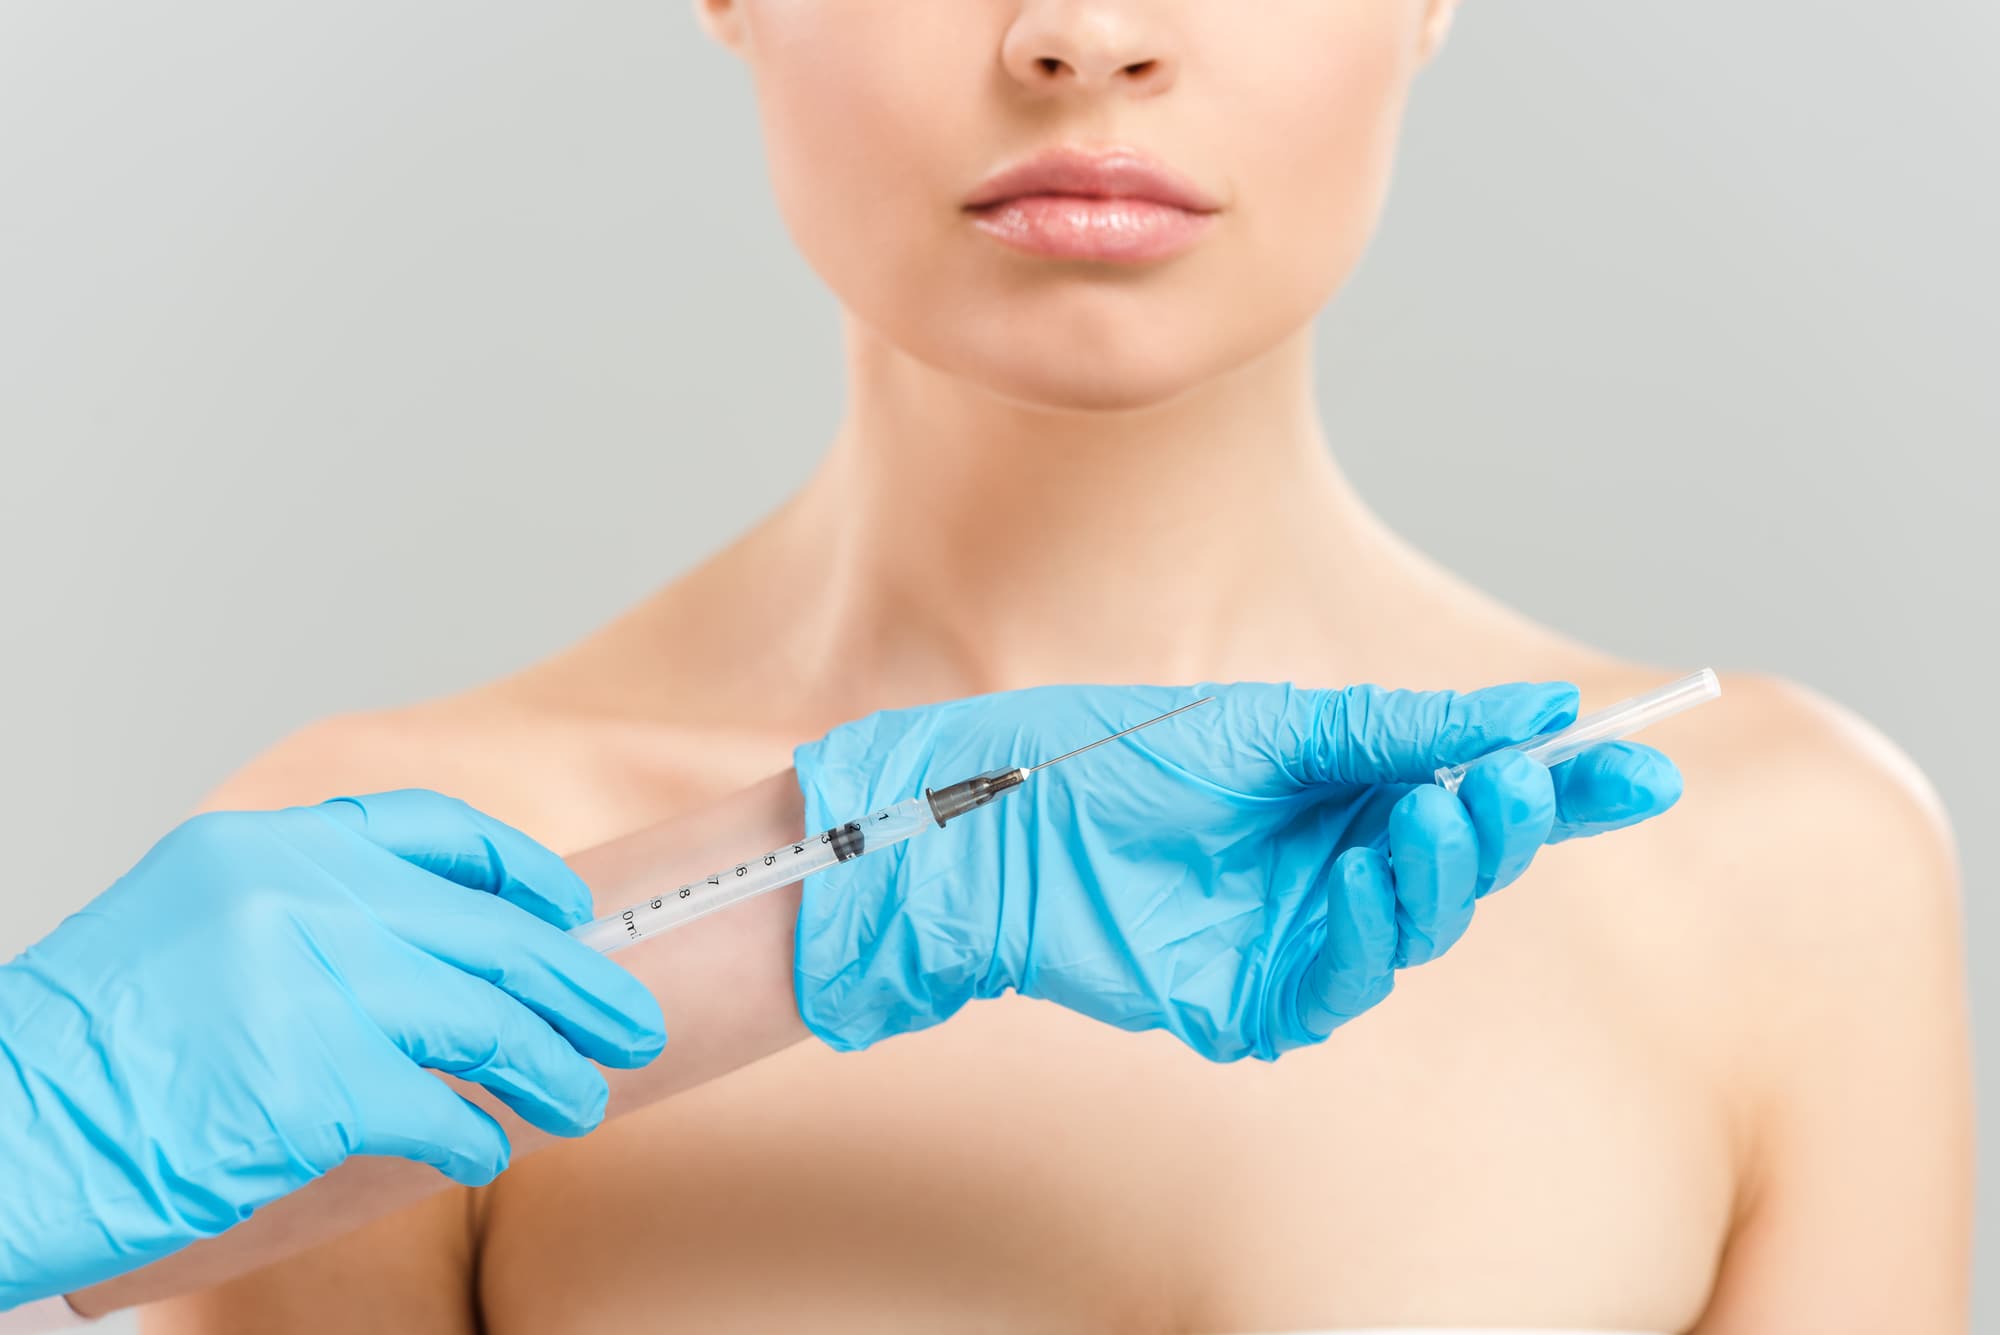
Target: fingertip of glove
{"x":646,"y":1048}
{"x":591,"y":1115}
{"x":1618,"y":783}
{"x":1517,"y":711}
{"x":1553,"y":704}
{"x":568,"y":914}
{"x":1652,"y":782}
{"x":629,"y":1024}
{"x":1427,"y":812}
{"x":481,"y":1172}
{"x":1509,"y":785}
{"x":645,"y":1038}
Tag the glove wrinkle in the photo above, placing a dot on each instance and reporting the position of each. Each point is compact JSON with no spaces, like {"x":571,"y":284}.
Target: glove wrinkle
{"x":1229,"y":877}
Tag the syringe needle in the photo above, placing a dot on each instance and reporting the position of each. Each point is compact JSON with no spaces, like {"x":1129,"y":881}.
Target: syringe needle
{"x":1122,"y":733}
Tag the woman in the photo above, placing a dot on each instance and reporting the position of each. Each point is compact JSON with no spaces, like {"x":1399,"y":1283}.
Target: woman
{"x":1710,"y":1076}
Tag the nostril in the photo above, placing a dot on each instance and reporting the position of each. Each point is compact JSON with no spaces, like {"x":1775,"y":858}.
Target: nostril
{"x":1050,"y":65}
{"x":1141,"y":69}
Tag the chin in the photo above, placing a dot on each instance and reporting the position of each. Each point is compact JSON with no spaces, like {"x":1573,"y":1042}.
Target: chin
{"x":1082,"y":388}
{"x":1130,"y":373}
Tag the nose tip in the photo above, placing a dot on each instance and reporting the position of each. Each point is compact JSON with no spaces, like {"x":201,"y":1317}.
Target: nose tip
{"x":1096,"y":47}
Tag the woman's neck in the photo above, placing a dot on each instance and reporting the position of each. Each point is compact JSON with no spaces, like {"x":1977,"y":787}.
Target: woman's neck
{"x":985,"y":544}
{"x":954,"y":542}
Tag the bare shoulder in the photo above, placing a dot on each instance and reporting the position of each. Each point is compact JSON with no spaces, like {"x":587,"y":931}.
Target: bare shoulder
{"x":1812,"y":882}
{"x":1823,"y":893}
{"x":1820,"y":809}
{"x":1804,"y":887}
{"x":1808,"y":862}
{"x":1794,"y":925}
{"x":553,"y":763}
{"x":1810,"y":735}
{"x":561,"y":774}
{"x":448,"y":745}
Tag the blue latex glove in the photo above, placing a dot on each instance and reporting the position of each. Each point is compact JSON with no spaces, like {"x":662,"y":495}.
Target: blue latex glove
{"x":256,"y":1001}
{"x":1247,"y":876}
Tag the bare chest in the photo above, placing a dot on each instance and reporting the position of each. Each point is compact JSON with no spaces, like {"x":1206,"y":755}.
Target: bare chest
{"x":1511,"y":1139}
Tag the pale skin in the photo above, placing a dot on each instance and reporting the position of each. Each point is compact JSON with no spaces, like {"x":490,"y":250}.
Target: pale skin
{"x":1709,"y":1074}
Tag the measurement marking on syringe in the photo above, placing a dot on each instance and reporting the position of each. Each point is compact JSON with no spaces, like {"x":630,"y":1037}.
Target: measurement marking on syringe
{"x":885,"y":827}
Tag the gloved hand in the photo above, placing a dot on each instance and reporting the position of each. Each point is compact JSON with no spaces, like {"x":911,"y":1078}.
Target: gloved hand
{"x":256,"y":1001}
{"x":1247,"y":876}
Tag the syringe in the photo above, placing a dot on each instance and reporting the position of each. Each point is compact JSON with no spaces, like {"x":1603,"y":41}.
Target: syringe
{"x":841,"y":843}
{"x":1606,"y":725}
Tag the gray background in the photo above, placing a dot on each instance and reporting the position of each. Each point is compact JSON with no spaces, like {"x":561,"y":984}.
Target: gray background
{"x":353,"y":353}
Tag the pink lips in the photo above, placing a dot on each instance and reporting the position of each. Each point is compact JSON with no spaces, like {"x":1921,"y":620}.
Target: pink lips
{"x":1111,"y":205}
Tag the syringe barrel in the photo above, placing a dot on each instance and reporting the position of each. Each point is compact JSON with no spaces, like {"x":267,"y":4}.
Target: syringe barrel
{"x":1606,"y":725}
{"x":779,"y":867}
